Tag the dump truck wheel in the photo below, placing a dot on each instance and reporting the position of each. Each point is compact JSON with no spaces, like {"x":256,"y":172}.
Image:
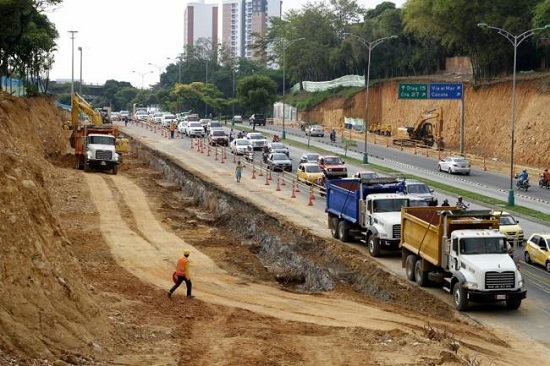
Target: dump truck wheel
{"x":513,"y":304}
{"x":334,"y":229}
{"x":343,"y":231}
{"x":420,"y":277}
{"x":86,"y":165}
{"x":409,"y":266}
{"x":459,"y":297}
{"x":115,"y":170}
{"x":374,"y":246}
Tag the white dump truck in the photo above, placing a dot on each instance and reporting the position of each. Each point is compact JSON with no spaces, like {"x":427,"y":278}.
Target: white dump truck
{"x":463,"y":251}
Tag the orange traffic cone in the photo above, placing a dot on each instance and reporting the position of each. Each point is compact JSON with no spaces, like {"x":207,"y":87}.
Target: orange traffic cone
{"x":311,"y":197}
{"x":253,"y":172}
{"x":269,"y":174}
{"x":293,"y":195}
{"x":296,"y":186}
{"x":283,"y":179}
{"x":266,"y":180}
{"x":278,"y":184}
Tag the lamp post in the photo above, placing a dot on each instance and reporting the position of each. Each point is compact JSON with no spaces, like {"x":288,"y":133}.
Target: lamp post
{"x":159,"y":68}
{"x":142,"y":74}
{"x":80,"y":86}
{"x":179,"y":62}
{"x":370,"y":46}
{"x":515,"y":41}
{"x":73,"y":32}
{"x":284,"y":46}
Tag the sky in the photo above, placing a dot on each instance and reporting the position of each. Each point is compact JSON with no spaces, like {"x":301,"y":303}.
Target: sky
{"x":126,"y":40}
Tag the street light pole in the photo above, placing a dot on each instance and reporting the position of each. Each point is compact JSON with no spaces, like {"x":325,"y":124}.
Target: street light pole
{"x":80,"y":86}
{"x":370,"y":46}
{"x":72,"y":63}
{"x":284,"y":46}
{"x":158,"y":67}
{"x":142,"y":74}
{"x":515,"y":41}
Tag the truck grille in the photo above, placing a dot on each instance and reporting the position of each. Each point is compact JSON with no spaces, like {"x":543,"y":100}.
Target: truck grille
{"x":103,"y":155}
{"x":500,"y":280}
{"x":396,"y":232}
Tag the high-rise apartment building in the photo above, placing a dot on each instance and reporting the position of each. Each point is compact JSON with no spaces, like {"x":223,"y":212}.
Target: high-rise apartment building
{"x":233,"y":25}
{"x":200,"y":20}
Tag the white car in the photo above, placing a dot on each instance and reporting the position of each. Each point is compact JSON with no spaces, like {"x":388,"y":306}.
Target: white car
{"x":258,"y":141}
{"x":157,"y":117}
{"x":182,"y":126}
{"x":194,"y":129}
{"x":168,"y":118}
{"x":239,"y":146}
{"x":454,"y":164}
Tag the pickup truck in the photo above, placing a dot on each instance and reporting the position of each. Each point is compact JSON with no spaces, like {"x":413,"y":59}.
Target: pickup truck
{"x":257,"y":119}
{"x":333,"y":167}
{"x":369,"y":210}
{"x":463,"y":251}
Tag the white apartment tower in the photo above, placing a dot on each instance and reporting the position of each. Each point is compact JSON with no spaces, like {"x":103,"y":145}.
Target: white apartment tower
{"x":233,"y":24}
{"x":200,"y":20}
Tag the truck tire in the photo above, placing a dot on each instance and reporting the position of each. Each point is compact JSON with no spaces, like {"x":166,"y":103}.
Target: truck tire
{"x":513,"y":304}
{"x":79,"y":165}
{"x":420,"y":277}
{"x":334,"y":229}
{"x":459,"y":297}
{"x":86,"y":165}
{"x":409,"y":266}
{"x":115,"y":169}
{"x":343,"y":231}
{"x":374,"y":245}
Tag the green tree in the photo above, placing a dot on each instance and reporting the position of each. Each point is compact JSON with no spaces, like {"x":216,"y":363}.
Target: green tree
{"x":257,"y":92}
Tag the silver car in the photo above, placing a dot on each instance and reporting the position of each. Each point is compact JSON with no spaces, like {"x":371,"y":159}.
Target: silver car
{"x":454,"y":164}
{"x":315,"y":130}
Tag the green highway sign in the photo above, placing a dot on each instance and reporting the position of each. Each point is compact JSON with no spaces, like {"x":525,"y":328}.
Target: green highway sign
{"x":413,"y":91}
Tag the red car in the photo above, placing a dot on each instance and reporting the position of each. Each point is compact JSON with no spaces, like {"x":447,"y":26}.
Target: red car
{"x":333,"y":167}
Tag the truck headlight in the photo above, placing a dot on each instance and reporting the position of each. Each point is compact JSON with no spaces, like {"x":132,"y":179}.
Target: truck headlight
{"x":471,"y":285}
{"x":521,"y":284}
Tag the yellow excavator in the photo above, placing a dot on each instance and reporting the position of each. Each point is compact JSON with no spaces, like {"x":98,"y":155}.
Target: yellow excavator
{"x":426,"y":131}
{"x":380,"y":129}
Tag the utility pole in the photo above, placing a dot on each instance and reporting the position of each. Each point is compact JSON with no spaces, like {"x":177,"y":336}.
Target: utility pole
{"x":73,"y":32}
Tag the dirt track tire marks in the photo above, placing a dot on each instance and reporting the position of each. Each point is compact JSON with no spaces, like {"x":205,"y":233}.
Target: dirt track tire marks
{"x":151,"y":259}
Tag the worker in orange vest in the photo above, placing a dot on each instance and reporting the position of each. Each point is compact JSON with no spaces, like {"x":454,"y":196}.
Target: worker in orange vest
{"x":172,"y":129}
{"x":182,"y":274}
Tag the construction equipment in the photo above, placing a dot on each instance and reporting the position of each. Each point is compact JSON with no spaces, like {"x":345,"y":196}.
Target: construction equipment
{"x":380,"y":129}
{"x":97,"y":145}
{"x":426,"y":131}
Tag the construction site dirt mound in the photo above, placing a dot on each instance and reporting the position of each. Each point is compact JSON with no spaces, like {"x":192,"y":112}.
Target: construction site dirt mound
{"x":86,"y":260}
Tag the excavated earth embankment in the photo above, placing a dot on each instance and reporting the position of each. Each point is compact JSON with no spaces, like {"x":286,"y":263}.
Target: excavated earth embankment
{"x":86,"y":260}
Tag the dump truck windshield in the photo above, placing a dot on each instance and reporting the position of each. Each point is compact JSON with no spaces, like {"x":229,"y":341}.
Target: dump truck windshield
{"x":483,"y":246}
{"x":101,"y":140}
{"x":389,"y":205}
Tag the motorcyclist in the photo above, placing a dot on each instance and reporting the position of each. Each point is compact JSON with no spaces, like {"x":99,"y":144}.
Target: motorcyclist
{"x":445,"y":202}
{"x":522,"y":178}
{"x":460,"y":204}
{"x":333,"y":135}
{"x":546,"y":176}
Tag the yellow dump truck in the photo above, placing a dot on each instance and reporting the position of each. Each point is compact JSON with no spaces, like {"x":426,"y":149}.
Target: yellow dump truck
{"x":461,"y":250}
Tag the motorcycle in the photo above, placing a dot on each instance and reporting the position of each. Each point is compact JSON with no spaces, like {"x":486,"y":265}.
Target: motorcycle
{"x":543,"y":183}
{"x":523,"y":185}
{"x":462,"y":206}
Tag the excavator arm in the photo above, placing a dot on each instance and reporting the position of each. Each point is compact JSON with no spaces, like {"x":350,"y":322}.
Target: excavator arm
{"x":79,"y":104}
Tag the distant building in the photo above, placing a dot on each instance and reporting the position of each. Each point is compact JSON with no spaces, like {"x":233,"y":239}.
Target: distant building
{"x":229,"y":22}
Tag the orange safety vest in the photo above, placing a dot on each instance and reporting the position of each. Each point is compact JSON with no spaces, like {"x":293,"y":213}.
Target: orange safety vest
{"x":182,"y":268}
{"x":172,"y":127}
